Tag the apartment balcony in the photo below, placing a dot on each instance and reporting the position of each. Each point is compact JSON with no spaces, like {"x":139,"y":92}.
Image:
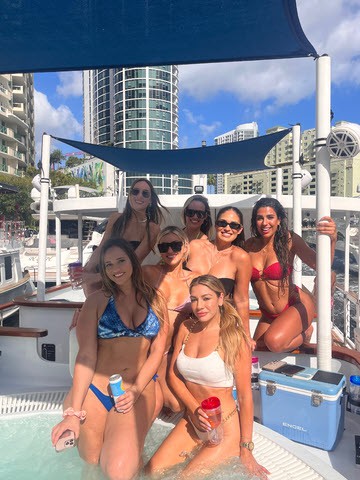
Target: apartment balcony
{"x":4,"y":168}
{"x":4,"y":92}
{"x":19,"y":110}
{"x":7,"y":133}
{"x":12,"y":153}
{"x":18,"y":79}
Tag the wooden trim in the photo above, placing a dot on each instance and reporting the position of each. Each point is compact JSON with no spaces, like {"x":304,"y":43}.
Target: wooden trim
{"x":23,"y":332}
{"x":30,"y":300}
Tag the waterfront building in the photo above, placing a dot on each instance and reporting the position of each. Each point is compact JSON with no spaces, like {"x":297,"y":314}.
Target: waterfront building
{"x":17,"y":139}
{"x":244,"y":131}
{"x":345,"y":174}
{"x":135,"y":108}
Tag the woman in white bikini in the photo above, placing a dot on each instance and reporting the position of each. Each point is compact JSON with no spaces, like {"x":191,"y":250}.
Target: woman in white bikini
{"x":211,"y":351}
{"x":173,"y":280}
{"x":197,"y":218}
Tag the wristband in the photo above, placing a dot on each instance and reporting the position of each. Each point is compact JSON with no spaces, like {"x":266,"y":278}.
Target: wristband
{"x":70,"y":412}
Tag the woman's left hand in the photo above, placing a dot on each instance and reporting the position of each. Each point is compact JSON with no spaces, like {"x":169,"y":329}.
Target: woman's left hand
{"x":127,"y":400}
{"x":327,"y":226}
{"x":249,"y":462}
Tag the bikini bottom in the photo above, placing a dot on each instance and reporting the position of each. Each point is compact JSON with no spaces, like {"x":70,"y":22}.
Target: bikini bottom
{"x":107,"y":400}
{"x":292,"y":300}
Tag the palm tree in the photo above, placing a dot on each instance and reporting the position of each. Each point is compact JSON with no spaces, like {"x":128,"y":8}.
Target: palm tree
{"x":56,"y":157}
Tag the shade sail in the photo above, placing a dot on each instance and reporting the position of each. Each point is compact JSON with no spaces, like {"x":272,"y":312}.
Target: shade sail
{"x":231,"y":157}
{"x":43,"y":35}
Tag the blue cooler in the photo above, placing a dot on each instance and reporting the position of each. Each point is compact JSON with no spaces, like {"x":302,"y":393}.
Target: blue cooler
{"x":308,"y":407}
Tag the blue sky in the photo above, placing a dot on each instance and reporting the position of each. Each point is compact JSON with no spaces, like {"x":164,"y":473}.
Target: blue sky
{"x":215,"y":98}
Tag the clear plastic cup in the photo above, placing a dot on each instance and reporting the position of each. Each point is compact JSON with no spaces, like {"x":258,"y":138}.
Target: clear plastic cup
{"x":212,"y":408}
{"x":75,"y":274}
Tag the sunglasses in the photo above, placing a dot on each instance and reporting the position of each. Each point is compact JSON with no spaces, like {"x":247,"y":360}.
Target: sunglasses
{"x":232,"y":225}
{"x":189,"y":212}
{"x":175,"y":246}
{"x":145,"y":193}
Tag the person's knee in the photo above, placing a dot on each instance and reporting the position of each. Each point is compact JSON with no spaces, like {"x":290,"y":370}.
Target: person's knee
{"x":90,"y":458}
{"x":275,"y":342}
{"x":120,"y":468}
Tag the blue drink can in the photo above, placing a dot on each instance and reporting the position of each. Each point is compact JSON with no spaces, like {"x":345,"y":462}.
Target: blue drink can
{"x":115,"y":382}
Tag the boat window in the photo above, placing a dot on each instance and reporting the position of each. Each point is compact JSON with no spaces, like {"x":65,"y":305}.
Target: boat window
{"x":8,"y":268}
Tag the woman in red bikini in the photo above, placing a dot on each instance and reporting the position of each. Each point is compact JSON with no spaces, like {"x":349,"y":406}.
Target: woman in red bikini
{"x":287,"y":311}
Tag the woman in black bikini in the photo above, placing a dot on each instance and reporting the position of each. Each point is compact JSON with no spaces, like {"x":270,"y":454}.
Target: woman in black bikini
{"x":173,"y":280}
{"x":226,"y":260}
{"x":287,"y":311}
{"x":139,"y":224}
{"x":122,"y":329}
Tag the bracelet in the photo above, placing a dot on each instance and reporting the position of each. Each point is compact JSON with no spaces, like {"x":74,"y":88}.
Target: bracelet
{"x":80,"y":414}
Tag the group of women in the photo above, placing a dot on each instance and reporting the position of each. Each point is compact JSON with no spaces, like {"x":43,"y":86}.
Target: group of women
{"x":178,"y":332}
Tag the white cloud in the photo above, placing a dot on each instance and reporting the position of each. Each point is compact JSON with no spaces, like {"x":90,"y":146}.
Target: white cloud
{"x":207,"y":130}
{"x":331,"y":26}
{"x":70,"y":84}
{"x":55,"y":121}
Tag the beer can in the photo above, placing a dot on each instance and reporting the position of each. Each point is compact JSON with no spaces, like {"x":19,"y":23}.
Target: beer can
{"x":115,"y":382}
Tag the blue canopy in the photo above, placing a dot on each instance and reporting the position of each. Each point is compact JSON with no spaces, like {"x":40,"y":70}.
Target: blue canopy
{"x":231,"y":157}
{"x":43,"y":35}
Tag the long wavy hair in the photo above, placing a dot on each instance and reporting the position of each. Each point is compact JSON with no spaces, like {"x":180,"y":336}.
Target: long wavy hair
{"x":281,"y":237}
{"x":232,"y":336}
{"x":179,"y":233}
{"x":142,"y":289}
{"x":153,"y":212}
{"x":240,"y":239}
{"x":206,"y":226}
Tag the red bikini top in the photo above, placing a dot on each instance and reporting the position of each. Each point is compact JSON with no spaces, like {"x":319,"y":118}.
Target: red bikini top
{"x":272,"y":272}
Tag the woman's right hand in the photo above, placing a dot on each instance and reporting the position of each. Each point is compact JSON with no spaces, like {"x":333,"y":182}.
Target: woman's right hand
{"x":69,"y":423}
{"x":200,"y":420}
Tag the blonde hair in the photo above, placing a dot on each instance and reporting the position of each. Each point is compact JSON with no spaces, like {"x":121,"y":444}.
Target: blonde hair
{"x":142,"y":289}
{"x":232,"y":335}
{"x":179,"y":233}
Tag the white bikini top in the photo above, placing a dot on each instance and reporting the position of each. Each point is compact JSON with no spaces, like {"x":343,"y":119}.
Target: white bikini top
{"x":210,"y":370}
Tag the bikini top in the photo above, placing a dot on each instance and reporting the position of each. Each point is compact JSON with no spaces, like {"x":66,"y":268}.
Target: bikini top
{"x":210,"y":370}
{"x":134,"y":244}
{"x":272,"y":272}
{"x":184,"y":307}
{"x":111,"y":326}
{"x":229,"y":285}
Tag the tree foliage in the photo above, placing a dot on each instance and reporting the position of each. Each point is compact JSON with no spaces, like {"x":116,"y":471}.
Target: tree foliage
{"x":73,"y":161}
{"x":56,"y":157}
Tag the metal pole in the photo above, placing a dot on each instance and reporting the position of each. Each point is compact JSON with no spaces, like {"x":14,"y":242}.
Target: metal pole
{"x":323,"y":266}
{"x":297,"y":277}
{"x":58,"y":248}
{"x":43,"y":222}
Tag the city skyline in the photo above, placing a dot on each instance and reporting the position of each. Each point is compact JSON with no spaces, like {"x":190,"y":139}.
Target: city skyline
{"x":215,"y":98}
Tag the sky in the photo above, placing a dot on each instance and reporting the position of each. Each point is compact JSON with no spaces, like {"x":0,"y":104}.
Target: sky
{"x":215,"y":98}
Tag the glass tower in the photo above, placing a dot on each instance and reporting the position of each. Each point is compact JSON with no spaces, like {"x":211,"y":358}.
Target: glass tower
{"x":135,"y":108}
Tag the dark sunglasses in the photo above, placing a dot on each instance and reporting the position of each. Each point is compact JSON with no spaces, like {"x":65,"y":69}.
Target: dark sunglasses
{"x":189,"y":212}
{"x":232,"y":225}
{"x":175,"y":246}
{"x":144,"y":193}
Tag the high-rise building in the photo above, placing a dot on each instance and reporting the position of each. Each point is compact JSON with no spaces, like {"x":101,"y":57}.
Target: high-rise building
{"x":135,"y":108}
{"x":17,"y":141}
{"x":241,"y":132}
{"x":345,"y":173}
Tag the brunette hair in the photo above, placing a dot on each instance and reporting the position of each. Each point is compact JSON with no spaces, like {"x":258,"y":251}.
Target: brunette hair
{"x":153,"y":212}
{"x":206,"y":226}
{"x":232,"y":335}
{"x":282,"y":235}
{"x":240,"y":239}
{"x":142,"y":288}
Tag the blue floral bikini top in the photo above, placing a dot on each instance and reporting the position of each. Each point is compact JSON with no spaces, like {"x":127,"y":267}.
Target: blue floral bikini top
{"x":111,"y":326}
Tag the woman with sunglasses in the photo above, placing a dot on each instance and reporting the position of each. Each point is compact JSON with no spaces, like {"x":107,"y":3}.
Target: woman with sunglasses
{"x":211,"y":353}
{"x":225,"y":259}
{"x":173,"y":280}
{"x":139,"y":224}
{"x":287,"y":310}
{"x":197,"y":218}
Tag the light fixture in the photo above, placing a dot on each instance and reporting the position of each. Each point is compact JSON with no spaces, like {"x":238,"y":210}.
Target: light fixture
{"x":306,"y":178}
{"x":199,"y":189}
